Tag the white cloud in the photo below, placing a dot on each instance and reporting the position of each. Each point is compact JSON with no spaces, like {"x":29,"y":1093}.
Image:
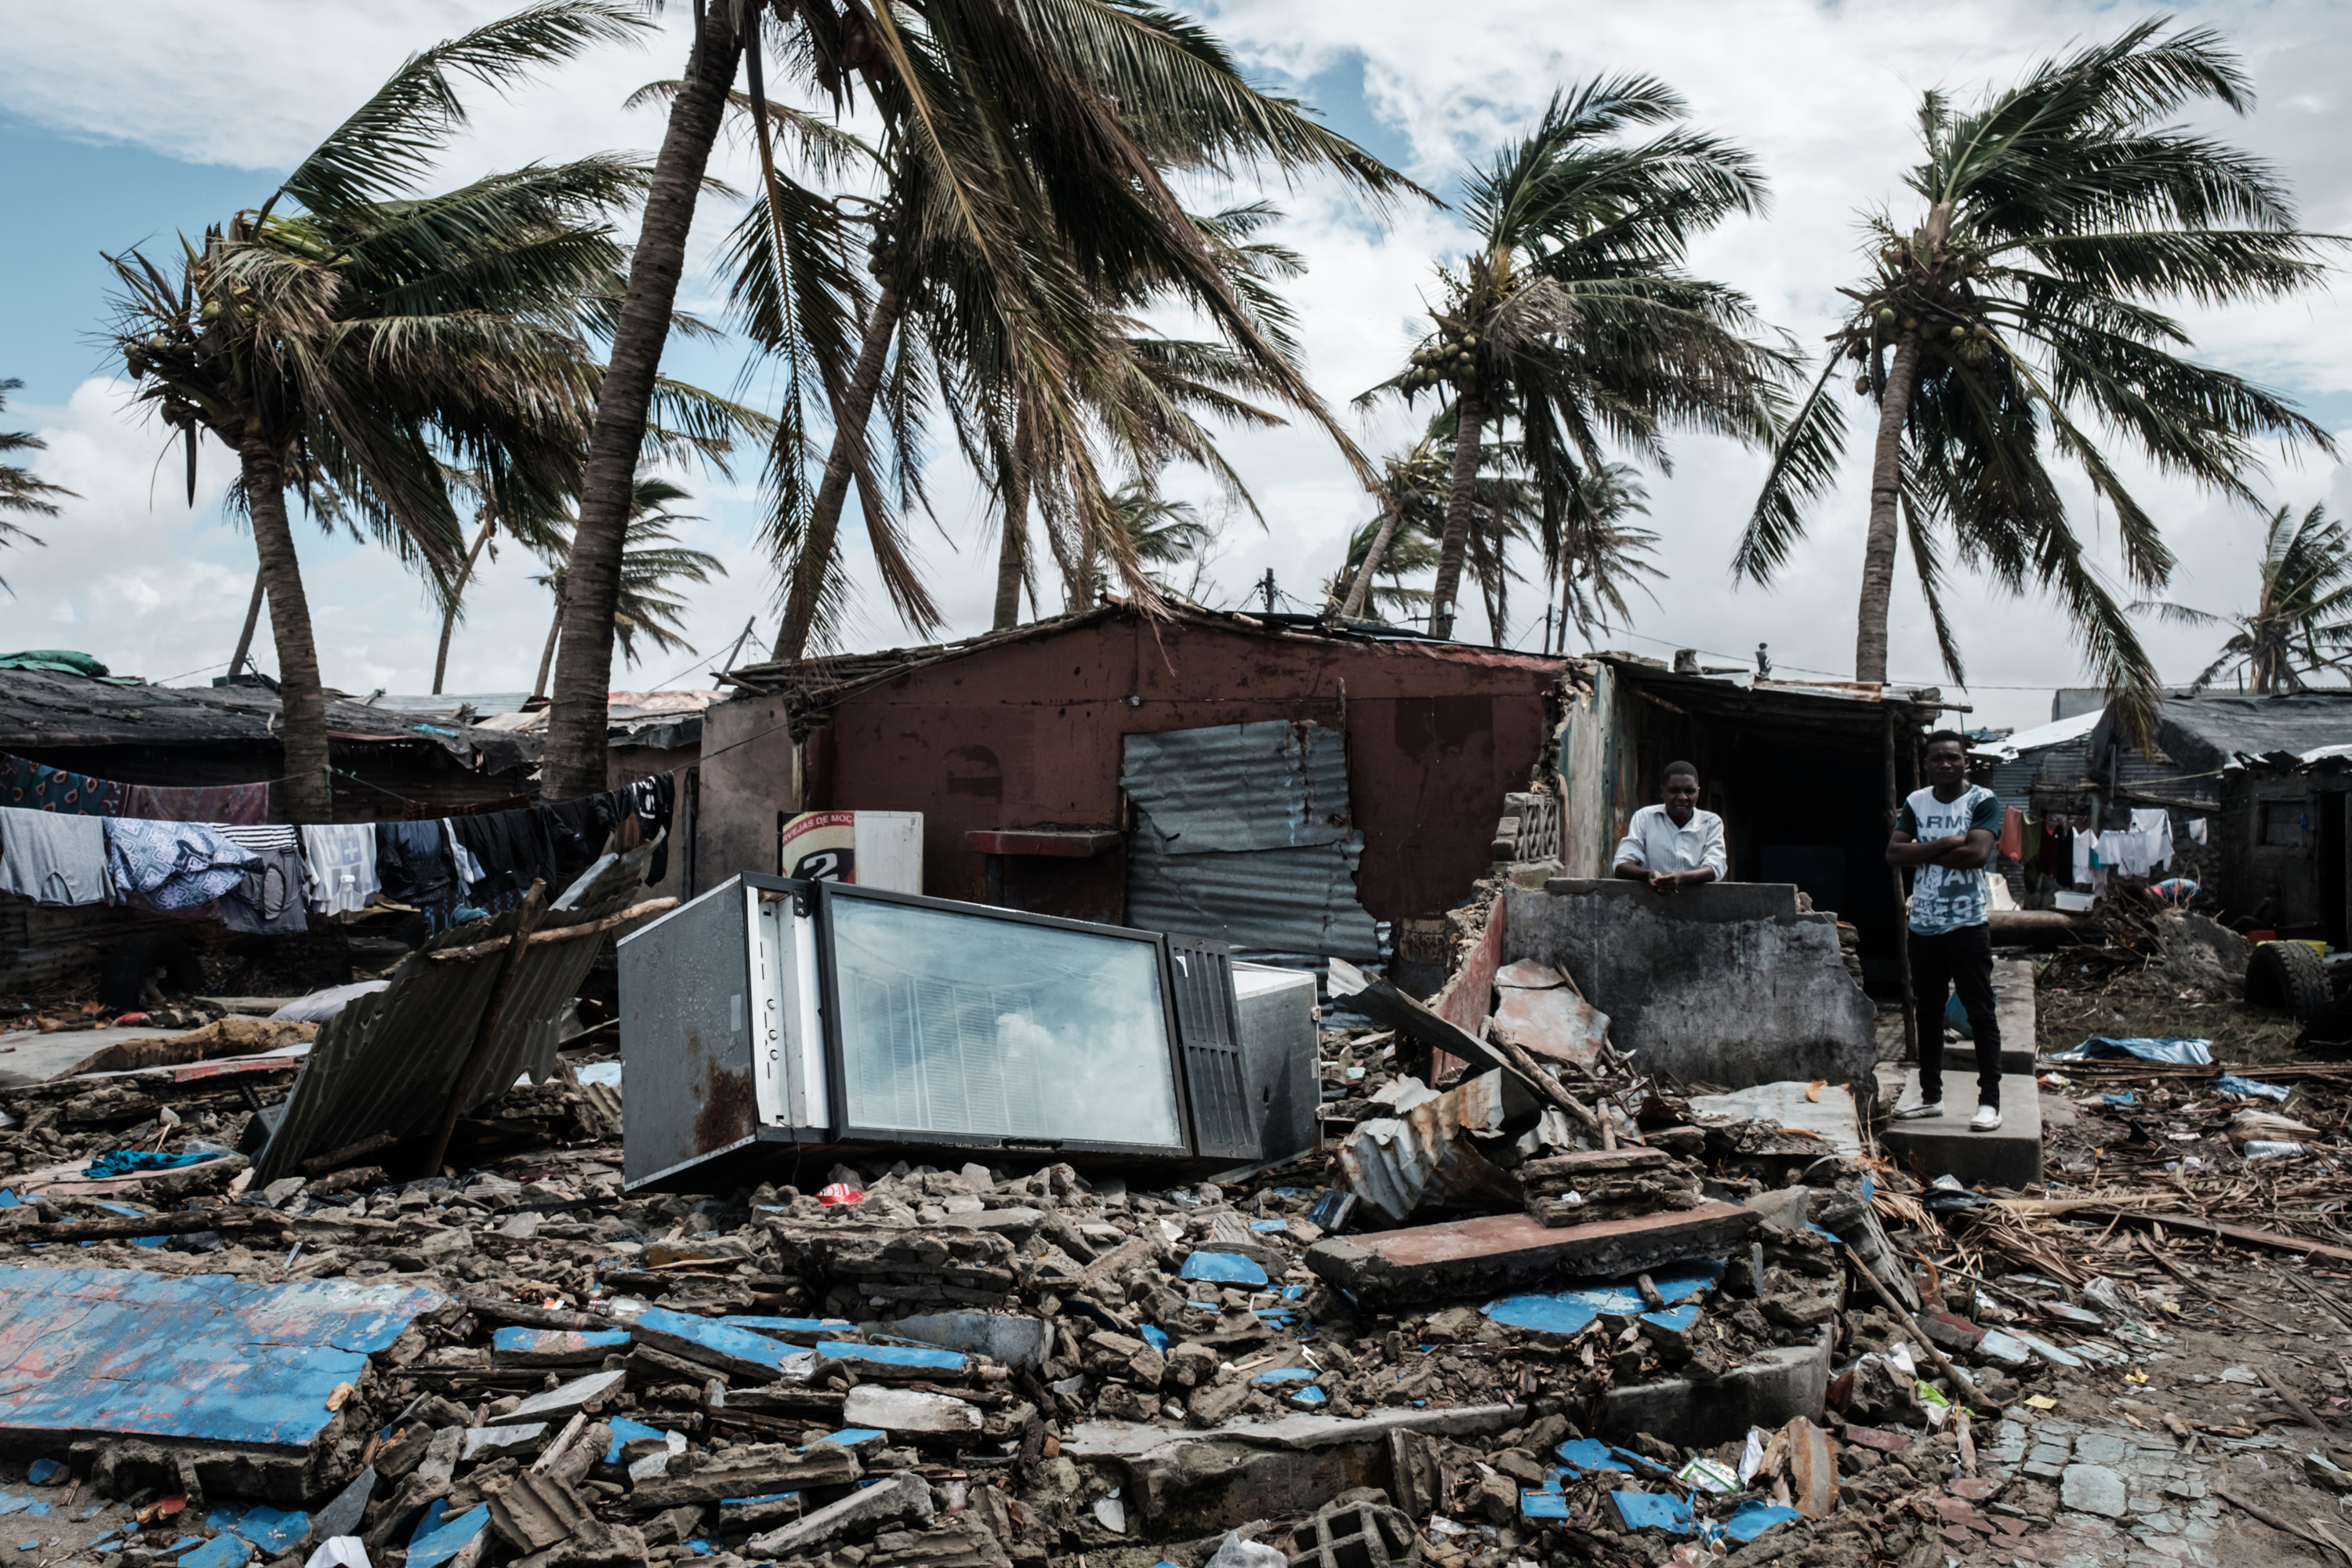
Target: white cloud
{"x":1823,"y":93}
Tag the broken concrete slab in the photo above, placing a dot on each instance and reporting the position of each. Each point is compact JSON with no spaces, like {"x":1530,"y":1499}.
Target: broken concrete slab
{"x":1196,"y":1483}
{"x":1000,"y":1336}
{"x":904,"y":1497}
{"x":756,"y":1470}
{"x":1726,"y":984}
{"x":207,"y":1358}
{"x":894,"y":1361}
{"x":556,"y":1347}
{"x":1508,"y":1252}
{"x":1827,"y":1112}
{"x":2009,"y":1156}
{"x":1766,"y":1390}
{"x":907,"y":1412}
{"x":490,"y":1442}
{"x":558,"y":1404}
{"x":737,"y":1353}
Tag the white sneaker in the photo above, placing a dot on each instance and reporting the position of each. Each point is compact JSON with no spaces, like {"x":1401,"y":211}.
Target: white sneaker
{"x":1920,"y":1112}
{"x":1986,"y":1119}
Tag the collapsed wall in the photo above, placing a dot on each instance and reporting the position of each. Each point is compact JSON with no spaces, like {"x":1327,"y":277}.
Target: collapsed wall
{"x":1732,"y":985}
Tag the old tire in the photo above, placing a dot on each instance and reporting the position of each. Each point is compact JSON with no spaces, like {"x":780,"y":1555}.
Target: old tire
{"x":2287,"y":977}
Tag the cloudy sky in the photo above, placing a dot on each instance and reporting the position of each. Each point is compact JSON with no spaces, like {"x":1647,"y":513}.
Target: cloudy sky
{"x":123,"y":125}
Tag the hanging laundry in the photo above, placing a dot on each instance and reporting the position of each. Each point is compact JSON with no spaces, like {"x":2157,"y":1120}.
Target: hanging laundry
{"x":470,"y":870}
{"x":53,"y":856}
{"x":2012,"y":833}
{"x":511,"y":849}
{"x":2196,"y":830}
{"x":2057,"y":858}
{"x":243,"y":804}
{"x":27,"y":785}
{"x":644,"y":810}
{"x":173,"y":865}
{"x":577,"y":830}
{"x":413,"y":865}
{"x":2085,"y":857}
{"x":338,"y":866}
{"x":2154,"y":825}
{"x":270,"y":901}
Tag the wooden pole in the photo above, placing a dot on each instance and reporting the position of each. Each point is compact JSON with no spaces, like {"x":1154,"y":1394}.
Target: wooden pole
{"x":534,"y":909}
{"x":1902,"y":924}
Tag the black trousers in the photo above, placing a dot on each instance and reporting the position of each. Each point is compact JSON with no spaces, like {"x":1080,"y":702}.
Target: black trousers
{"x":1956,"y":960}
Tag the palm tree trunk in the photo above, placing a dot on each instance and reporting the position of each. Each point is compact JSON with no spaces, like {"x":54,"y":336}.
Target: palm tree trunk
{"x":574,"y":758}
{"x":810,"y":572}
{"x":1498,"y":603}
{"x":1013,"y":549}
{"x":307,"y":795}
{"x":457,"y":596}
{"x":1885,"y":499}
{"x":1359,"y":589}
{"x":252,"y":619}
{"x":554,"y":630}
{"x":1470,"y":418}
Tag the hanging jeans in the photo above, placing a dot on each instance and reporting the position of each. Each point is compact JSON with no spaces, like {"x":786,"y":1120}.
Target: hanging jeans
{"x":1957,"y":960}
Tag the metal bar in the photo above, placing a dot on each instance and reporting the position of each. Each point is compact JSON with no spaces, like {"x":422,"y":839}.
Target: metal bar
{"x":561,"y":934}
{"x":1902,"y":924}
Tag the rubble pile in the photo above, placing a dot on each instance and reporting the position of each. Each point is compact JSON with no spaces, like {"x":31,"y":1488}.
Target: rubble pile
{"x":1643,"y":1333}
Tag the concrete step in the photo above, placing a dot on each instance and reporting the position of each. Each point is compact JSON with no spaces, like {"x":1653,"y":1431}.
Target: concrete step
{"x":2009,"y":1157}
{"x":2012,"y":1009}
{"x":1960,"y":1059}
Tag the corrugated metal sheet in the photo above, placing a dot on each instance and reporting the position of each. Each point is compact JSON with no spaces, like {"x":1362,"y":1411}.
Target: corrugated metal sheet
{"x":211,"y":1358}
{"x":1289,"y":902}
{"x":1242,"y":834}
{"x":1275,"y":785}
{"x":388,"y":1061}
{"x":1424,"y":1154}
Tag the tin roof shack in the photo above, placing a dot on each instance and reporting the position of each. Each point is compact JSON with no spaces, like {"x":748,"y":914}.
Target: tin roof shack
{"x":388,"y":763}
{"x":2204,"y":738}
{"x":2285,"y":826}
{"x":1799,"y":774}
{"x":646,"y":732}
{"x":1371,"y":795}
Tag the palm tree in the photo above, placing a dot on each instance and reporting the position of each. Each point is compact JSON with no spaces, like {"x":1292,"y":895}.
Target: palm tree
{"x":1409,"y":549}
{"x":351,"y":344}
{"x":2058,"y":215}
{"x":1049,"y":126}
{"x":20,"y":491}
{"x":2305,"y":607}
{"x":653,"y":563}
{"x":1588,"y":545}
{"x":540,"y":530}
{"x":1602,"y":552}
{"x":1150,"y":403}
{"x":1573,"y":315}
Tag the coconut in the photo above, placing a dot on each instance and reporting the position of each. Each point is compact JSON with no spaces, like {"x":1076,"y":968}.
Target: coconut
{"x":1886,"y":316}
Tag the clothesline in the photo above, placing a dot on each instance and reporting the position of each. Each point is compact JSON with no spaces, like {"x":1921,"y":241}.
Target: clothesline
{"x":270,"y":878}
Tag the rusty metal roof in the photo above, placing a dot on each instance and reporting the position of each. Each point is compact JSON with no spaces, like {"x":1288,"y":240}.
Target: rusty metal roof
{"x":814,"y":682}
{"x":207,"y":1357}
{"x":42,"y":709}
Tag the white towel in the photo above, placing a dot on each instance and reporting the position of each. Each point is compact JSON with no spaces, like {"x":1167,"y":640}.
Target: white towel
{"x":339,"y":866}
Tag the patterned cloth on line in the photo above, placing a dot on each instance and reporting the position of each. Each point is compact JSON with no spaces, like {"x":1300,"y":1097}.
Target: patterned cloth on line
{"x":173,"y":865}
{"x":36,"y":786}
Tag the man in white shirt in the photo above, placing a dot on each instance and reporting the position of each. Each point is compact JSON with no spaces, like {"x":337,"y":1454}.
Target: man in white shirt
{"x":1674,"y":845}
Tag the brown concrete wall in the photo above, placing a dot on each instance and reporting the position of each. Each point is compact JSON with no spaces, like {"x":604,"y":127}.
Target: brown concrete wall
{"x":1029,"y":734}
